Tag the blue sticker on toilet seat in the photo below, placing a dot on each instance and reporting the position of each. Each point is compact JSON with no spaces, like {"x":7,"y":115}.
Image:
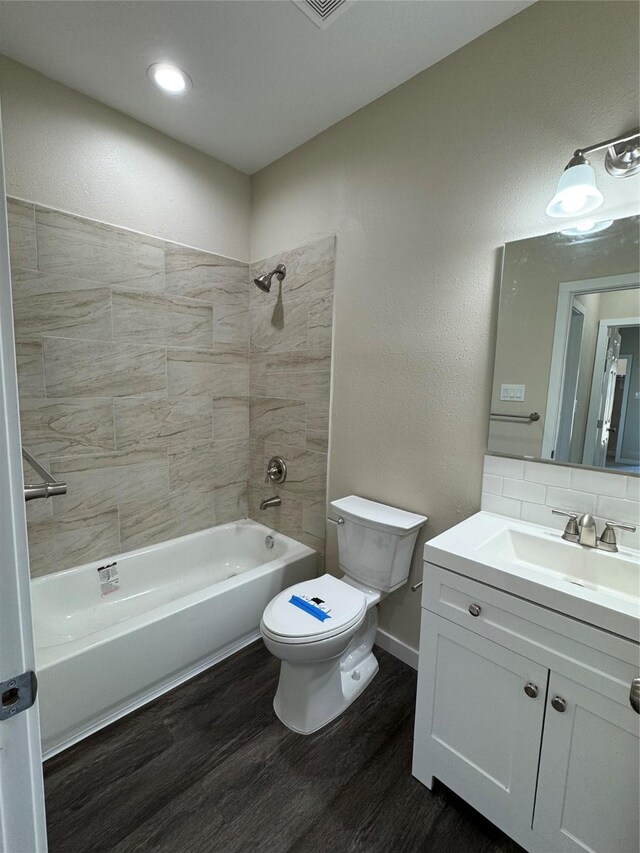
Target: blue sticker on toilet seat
{"x":308,"y":607}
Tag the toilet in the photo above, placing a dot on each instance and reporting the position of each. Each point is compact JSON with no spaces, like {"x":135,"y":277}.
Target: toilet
{"x":323,"y":630}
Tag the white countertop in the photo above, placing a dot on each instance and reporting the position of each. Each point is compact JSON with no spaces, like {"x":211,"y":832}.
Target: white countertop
{"x":475,"y":548}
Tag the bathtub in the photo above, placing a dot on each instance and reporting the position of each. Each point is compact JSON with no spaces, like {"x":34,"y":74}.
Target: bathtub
{"x":110,"y":640}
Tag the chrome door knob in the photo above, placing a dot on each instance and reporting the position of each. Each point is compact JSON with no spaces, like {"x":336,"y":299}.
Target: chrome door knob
{"x":475,"y":609}
{"x":531,"y":690}
{"x":559,"y":704}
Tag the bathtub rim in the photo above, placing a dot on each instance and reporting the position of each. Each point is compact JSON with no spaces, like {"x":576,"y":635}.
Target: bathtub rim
{"x":156,"y":546}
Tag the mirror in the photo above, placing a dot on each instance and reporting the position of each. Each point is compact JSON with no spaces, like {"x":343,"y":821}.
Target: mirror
{"x":566,"y":384}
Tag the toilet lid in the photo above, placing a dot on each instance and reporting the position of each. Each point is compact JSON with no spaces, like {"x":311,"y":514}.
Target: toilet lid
{"x":314,"y":610}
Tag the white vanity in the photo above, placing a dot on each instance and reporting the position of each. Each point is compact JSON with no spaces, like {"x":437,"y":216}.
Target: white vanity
{"x":529,"y":653}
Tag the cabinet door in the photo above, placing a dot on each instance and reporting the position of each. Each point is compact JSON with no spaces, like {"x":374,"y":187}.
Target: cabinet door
{"x":477,"y":730}
{"x":588,"y":790}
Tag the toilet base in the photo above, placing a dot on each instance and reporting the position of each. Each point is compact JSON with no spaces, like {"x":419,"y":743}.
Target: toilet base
{"x":311,"y":695}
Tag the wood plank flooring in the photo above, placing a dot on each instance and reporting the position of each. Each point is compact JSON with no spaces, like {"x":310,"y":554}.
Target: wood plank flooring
{"x":208,"y":768}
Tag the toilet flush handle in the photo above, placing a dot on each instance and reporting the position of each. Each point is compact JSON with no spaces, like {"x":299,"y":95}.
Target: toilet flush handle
{"x":338,"y":520}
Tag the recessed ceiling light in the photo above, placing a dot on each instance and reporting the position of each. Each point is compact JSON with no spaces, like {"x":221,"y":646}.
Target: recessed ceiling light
{"x":169,"y":78}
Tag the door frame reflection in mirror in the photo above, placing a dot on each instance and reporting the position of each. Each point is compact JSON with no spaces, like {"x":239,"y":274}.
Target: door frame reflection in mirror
{"x":628,"y":357}
{"x":567,"y":290}
{"x":595,"y":396}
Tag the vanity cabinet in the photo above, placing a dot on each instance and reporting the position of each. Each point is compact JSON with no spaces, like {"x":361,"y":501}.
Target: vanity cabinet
{"x":588,"y":784}
{"x":525,"y":714}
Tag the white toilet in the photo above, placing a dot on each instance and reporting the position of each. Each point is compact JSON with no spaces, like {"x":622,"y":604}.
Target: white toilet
{"x":323,"y":630}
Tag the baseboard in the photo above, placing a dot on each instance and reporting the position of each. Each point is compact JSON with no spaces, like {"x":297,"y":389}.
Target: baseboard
{"x":407,"y":654}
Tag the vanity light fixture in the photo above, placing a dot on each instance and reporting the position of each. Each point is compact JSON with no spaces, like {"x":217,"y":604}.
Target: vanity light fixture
{"x":171,"y":79}
{"x":577,"y":192}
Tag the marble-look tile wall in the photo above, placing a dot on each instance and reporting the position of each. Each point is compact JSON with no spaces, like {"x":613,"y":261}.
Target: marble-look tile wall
{"x":133,"y":371}
{"x":289,"y":387}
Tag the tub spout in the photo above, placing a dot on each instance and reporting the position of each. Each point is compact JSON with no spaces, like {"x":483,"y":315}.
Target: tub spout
{"x":269,"y":502}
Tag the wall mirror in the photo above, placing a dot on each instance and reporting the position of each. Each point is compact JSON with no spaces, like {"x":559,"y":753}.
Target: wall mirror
{"x":566,"y":384}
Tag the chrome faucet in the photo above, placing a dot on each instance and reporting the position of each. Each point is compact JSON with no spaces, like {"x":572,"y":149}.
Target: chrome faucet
{"x":582,"y":529}
{"x":267,"y":503}
{"x":588,"y":535}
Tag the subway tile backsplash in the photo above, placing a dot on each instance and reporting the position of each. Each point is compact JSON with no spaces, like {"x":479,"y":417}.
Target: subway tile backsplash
{"x":530,"y":490}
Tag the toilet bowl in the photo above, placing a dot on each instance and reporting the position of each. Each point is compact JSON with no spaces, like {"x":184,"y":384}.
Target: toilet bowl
{"x":323,"y":630}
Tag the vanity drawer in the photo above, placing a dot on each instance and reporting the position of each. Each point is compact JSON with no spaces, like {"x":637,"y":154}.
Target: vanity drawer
{"x":599,"y":660}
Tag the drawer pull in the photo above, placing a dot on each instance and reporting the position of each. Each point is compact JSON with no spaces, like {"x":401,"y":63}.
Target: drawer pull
{"x":559,"y":704}
{"x":475,"y":609}
{"x":634,"y":695}
{"x":531,"y":690}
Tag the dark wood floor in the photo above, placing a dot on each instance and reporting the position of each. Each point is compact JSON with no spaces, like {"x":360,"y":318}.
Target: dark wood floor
{"x":209,"y":769}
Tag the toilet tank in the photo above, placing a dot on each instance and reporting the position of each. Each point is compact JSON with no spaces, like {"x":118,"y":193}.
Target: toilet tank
{"x":376,"y":541}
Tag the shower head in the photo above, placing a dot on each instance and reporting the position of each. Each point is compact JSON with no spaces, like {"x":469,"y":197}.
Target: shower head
{"x":264,"y":281}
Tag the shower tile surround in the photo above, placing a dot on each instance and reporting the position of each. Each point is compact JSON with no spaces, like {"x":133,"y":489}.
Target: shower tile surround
{"x":289,"y":389}
{"x":519,"y":488}
{"x":134,"y":377}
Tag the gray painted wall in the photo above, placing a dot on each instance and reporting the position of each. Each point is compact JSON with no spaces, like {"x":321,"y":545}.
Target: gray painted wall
{"x":422,"y":188}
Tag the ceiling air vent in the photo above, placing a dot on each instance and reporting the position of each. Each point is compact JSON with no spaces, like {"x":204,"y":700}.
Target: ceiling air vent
{"x":322,"y":12}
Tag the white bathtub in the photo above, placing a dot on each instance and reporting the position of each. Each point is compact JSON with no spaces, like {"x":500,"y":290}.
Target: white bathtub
{"x":181,"y":606}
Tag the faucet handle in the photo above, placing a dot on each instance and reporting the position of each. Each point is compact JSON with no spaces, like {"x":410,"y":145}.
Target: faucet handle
{"x":573,"y":515}
{"x":630,"y":527}
{"x":571,"y":531}
{"x":276,"y":470}
{"x":607,"y":541}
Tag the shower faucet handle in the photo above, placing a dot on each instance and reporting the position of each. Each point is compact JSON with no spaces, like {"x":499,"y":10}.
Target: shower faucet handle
{"x":276,"y":470}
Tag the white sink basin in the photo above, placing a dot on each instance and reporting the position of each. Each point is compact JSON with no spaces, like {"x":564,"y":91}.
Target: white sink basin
{"x":586,"y":567}
{"x":535,"y":563}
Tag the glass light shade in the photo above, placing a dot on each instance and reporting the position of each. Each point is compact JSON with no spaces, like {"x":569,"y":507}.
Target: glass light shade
{"x":577,"y":193}
{"x":587,"y":226}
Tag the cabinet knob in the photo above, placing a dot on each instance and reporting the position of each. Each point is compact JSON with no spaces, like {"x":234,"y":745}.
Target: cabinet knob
{"x":634,"y":695}
{"x":559,"y":704}
{"x":531,"y":689}
{"x":475,"y":609}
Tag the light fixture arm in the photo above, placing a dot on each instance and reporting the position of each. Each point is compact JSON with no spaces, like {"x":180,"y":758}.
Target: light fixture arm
{"x":609,"y":143}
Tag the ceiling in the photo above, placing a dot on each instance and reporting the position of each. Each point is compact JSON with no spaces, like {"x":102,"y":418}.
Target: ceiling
{"x":265,"y":78}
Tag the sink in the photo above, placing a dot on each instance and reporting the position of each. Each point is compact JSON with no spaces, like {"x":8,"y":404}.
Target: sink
{"x":536,"y":563}
{"x":586,"y":567}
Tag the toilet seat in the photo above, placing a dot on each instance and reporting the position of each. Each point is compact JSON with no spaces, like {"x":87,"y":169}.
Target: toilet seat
{"x":337,"y":608}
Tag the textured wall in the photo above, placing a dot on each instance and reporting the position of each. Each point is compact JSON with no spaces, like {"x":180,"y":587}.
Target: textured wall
{"x":133,"y":372}
{"x":422,"y":188}
{"x":291,"y":334}
{"x":69,"y":152}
